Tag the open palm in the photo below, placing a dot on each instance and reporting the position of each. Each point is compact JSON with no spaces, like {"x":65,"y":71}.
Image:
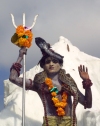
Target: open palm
{"x":83,"y":72}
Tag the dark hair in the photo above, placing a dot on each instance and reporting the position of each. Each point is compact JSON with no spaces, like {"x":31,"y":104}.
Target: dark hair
{"x":42,"y":60}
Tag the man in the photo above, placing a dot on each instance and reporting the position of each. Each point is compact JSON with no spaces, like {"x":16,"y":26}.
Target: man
{"x":54,"y":86}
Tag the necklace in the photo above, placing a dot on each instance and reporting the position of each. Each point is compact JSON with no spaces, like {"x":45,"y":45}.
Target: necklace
{"x":60,"y":105}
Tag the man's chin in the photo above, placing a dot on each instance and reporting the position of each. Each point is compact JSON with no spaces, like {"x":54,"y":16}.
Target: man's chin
{"x":52,"y":72}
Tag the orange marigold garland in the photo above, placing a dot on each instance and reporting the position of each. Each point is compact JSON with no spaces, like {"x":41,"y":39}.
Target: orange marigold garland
{"x":57,"y":103}
{"x":22,"y":37}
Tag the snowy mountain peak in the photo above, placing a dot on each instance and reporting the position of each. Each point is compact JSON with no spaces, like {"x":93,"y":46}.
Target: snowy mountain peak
{"x":64,"y":45}
{"x":64,"y":40}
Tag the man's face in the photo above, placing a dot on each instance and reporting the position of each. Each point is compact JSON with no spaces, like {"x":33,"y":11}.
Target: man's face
{"x":52,"y":65}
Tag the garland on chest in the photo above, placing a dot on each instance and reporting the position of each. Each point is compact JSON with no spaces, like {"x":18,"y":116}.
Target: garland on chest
{"x":60,"y":105}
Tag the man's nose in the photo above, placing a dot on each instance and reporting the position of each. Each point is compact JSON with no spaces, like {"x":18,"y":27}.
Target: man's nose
{"x":51,"y":63}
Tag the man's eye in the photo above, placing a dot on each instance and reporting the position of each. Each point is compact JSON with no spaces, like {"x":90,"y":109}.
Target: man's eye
{"x":48,"y":61}
{"x":55,"y":61}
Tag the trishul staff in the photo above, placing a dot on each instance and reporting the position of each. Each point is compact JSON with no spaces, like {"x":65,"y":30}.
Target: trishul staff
{"x":23,"y":38}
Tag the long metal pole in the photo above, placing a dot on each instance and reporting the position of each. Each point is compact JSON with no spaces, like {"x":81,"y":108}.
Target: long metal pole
{"x":24,"y":77}
{"x":23,"y":93}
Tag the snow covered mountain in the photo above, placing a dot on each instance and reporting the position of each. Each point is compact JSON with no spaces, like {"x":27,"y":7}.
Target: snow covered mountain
{"x":73,"y":57}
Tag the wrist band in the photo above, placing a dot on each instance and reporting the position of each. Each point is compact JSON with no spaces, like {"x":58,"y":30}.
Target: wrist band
{"x":87,"y":83}
{"x":17,"y":67}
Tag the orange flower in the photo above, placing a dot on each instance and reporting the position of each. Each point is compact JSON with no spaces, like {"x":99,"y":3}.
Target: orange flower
{"x":63,"y":100}
{"x":48,"y":81}
{"x":53,"y":94}
{"x":20,"y":30}
{"x":55,"y":100}
{"x":62,"y":104}
{"x":57,"y":104}
{"x":24,"y":37}
{"x":60,"y":112}
{"x":27,"y":44}
{"x":64,"y":95}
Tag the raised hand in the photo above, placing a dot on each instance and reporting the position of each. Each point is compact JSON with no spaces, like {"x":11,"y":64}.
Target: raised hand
{"x":83,"y":72}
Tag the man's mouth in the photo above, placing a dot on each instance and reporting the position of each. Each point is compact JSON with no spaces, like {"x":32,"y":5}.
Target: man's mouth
{"x":51,"y":68}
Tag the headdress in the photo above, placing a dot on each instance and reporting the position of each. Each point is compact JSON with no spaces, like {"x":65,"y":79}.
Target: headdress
{"x":46,"y":50}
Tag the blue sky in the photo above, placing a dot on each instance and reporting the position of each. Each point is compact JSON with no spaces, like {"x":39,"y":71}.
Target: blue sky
{"x":3,"y":76}
{"x":78,"y":21}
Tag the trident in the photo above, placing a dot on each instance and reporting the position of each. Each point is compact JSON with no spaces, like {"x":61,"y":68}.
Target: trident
{"x":24,"y":75}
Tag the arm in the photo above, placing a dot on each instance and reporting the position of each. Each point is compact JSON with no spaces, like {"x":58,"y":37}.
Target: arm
{"x":15,"y":72}
{"x":87,"y":99}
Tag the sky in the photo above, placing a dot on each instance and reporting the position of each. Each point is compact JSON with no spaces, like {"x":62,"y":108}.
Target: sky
{"x":76,"y":20}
